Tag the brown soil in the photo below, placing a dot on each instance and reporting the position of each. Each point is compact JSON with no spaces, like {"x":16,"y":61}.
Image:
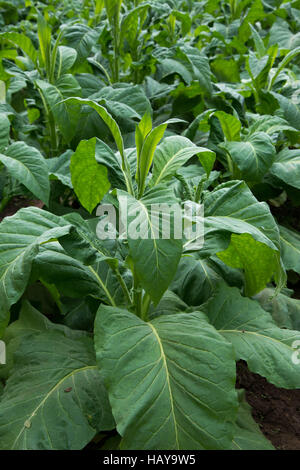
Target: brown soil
{"x":276,"y":410}
{"x":17,"y":203}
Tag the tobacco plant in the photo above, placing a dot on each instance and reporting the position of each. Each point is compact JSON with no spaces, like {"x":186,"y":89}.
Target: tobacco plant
{"x":131,"y":342}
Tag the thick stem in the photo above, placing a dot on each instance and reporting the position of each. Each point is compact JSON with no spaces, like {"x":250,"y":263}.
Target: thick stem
{"x":145,"y":307}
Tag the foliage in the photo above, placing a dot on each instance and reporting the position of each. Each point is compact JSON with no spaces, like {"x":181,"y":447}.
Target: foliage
{"x":162,"y":103}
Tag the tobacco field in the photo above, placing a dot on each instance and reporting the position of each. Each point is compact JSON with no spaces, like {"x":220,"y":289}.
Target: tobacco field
{"x":131,"y":342}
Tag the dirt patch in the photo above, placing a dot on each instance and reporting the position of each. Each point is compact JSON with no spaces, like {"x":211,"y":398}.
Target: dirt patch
{"x":276,"y":410}
{"x":17,"y":203}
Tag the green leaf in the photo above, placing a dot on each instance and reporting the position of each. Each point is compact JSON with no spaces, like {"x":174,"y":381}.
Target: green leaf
{"x":285,"y":310}
{"x":254,"y":335}
{"x":248,"y":435}
{"x":286,"y":167}
{"x":288,"y":110}
{"x":4,"y":131}
{"x":290,"y":56}
{"x":20,"y":238}
{"x":290,"y":248}
{"x":113,"y":8}
{"x":53,"y":376}
{"x":231,"y":126}
{"x":28,"y":166}
{"x":270,"y":125}
{"x":114,"y":129}
{"x":59,"y":168}
{"x":159,"y":255}
{"x":70,"y":276}
{"x":280,"y":34}
{"x":53,"y":95}
{"x":89,"y":178}
{"x":21,"y":41}
{"x":195,"y":280}
{"x":174,"y":152}
{"x":255,"y":13}
{"x":81,"y":38}
{"x":232,"y":209}
{"x":226,"y":70}
{"x":253,"y":157}
{"x":167,"y":381}
{"x":257,"y":260}
{"x":29,"y":321}
{"x":150,"y":142}
{"x":66,"y":58}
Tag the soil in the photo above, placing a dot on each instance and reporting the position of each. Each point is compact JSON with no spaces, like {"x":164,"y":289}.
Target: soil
{"x":17,"y":203}
{"x":276,"y":410}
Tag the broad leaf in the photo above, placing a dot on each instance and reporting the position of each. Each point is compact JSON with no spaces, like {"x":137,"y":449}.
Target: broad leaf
{"x":28,"y":166}
{"x":231,"y":126}
{"x":248,"y":435}
{"x":155,"y":258}
{"x":89,"y":178}
{"x":255,"y":337}
{"x":20,"y":238}
{"x":232,"y":209}
{"x":53,"y":377}
{"x":253,"y":157}
{"x":174,"y":152}
{"x":286,"y":167}
{"x":166,"y":380}
{"x":284,"y":309}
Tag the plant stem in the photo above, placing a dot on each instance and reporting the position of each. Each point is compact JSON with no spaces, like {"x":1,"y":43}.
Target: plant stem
{"x":145,"y":307}
{"x":124,"y":287}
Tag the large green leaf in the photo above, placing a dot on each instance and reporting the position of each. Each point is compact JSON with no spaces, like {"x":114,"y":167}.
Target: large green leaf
{"x":286,"y":167}
{"x":28,"y":166}
{"x":255,"y":336}
{"x":89,"y":178}
{"x":20,"y":238}
{"x":174,"y":152}
{"x":170,"y":381}
{"x":155,"y":258}
{"x":54,"y":398}
{"x":243,"y":233}
{"x":253,"y":157}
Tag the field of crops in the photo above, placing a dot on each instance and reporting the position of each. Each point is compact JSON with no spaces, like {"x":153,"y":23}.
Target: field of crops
{"x":150,"y":234}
